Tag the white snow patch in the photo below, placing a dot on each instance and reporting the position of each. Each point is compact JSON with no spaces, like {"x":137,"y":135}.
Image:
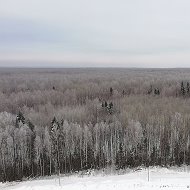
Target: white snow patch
{"x":160,"y":178}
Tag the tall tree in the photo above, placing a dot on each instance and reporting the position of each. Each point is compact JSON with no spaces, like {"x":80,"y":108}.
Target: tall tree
{"x":111,"y":91}
{"x":188,"y":88}
{"x":55,"y":136}
{"x":182,"y":88}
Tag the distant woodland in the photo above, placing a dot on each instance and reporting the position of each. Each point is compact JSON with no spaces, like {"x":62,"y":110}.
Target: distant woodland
{"x":59,"y":121}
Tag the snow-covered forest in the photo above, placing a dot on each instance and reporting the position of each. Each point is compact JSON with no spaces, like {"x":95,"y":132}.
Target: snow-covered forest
{"x":57,"y":121}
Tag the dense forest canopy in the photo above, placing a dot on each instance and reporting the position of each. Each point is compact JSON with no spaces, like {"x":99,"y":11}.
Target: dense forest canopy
{"x":65,"y":120}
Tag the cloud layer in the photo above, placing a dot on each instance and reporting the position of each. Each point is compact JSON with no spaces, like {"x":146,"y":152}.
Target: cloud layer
{"x":138,"y":33}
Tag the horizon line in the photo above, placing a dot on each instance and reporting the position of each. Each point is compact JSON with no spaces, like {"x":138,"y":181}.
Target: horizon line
{"x":88,"y":67}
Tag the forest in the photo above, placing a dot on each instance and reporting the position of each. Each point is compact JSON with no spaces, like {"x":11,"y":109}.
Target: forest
{"x":61,"y":121}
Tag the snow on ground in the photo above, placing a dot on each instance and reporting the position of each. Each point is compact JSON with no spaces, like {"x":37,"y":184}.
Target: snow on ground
{"x":160,"y":178}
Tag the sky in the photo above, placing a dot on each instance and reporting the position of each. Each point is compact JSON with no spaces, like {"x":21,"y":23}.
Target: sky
{"x":95,"y":33}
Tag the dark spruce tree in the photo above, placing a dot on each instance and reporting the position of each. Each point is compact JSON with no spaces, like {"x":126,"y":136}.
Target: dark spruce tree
{"x":188,"y":88}
{"x":20,"y":118}
{"x":182,"y":89}
{"x":156,"y":91}
{"x":106,"y":104}
{"x":110,"y":107}
{"x":111,"y":91}
{"x":123,"y":92}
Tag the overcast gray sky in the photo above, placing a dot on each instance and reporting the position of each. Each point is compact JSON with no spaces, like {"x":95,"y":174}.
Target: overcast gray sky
{"x":114,"y":33}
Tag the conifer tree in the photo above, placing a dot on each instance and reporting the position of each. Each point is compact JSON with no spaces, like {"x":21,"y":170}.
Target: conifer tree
{"x":20,"y":119}
{"x":111,"y":91}
{"x":182,"y":89}
{"x":123,"y":92}
{"x":188,"y":88}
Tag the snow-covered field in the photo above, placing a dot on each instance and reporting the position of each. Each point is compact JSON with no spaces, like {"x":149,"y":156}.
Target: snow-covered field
{"x":160,"y":178}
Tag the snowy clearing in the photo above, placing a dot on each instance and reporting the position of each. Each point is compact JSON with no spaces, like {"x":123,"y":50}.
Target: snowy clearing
{"x":160,"y":178}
